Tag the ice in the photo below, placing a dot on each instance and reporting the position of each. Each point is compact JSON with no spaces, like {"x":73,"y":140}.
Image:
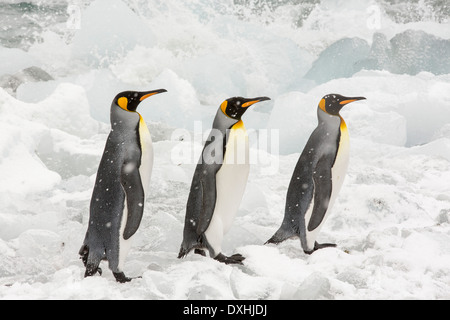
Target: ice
{"x":33,"y":92}
{"x":37,"y":2}
{"x":390,"y":116}
{"x":143,"y":64}
{"x":31,"y":74}
{"x":110,"y":29}
{"x":65,"y":113}
{"x":53,"y":54}
{"x":67,"y":109}
{"x":39,"y":243}
{"x":179,"y":107}
{"x":380,"y":127}
{"x":390,"y":220}
{"x":216,"y":77}
{"x":338,"y":60}
{"x":21,"y":169}
{"x":380,"y":54}
{"x":416,"y":51}
{"x":409,"y":52}
{"x":316,"y":286}
{"x":302,"y":119}
{"x":17,"y":60}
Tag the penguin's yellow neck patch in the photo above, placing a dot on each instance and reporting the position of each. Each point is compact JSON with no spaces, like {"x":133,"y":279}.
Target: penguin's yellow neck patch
{"x":343,"y":125}
{"x":142,"y":123}
{"x":322,"y":105}
{"x":239,"y":126}
{"x":143,"y":129}
{"x":123,"y":103}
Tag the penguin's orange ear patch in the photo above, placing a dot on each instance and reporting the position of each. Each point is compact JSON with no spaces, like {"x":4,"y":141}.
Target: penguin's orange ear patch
{"x":322,"y":105}
{"x":224,"y":106}
{"x":123,"y":103}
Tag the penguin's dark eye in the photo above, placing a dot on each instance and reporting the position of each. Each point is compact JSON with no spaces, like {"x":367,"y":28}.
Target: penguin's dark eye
{"x":233,"y":110}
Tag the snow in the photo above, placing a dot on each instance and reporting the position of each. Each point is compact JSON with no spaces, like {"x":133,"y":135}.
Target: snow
{"x":391,"y":220}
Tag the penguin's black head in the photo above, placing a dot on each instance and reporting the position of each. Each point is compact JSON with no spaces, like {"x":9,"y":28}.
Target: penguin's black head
{"x":130,"y":100}
{"x":333,"y":103}
{"x":236,"y":107}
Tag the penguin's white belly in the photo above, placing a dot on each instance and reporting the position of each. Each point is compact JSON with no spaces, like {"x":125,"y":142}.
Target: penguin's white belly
{"x":124,"y":245}
{"x":147,"y":156}
{"x":338,"y":172}
{"x":231,"y":181}
{"x":145,"y":171}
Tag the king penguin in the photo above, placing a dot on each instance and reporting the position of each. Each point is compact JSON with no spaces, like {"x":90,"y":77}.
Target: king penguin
{"x":219,"y":183}
{"x":318,"y":176}
{"x":122,"y":182}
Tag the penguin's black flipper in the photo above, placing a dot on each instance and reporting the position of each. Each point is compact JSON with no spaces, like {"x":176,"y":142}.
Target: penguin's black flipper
{"x":208,"y":201}
{"x":323,"y":186}
{"x":199,"y":208}
{"x":135,"y":198}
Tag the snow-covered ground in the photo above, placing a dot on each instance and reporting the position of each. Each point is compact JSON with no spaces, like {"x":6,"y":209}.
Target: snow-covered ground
{"x":391,"y":220}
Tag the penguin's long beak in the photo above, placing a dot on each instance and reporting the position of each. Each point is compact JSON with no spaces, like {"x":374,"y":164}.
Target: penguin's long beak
{"x":148,"y":94}
{"x":350,"y":100}
{"x":250,"y":102}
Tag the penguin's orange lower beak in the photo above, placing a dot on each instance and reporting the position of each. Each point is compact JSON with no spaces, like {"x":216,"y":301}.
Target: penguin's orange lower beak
{"x":350,"y":100}
{"x":253,"y":101}
{"x":146,"y":95}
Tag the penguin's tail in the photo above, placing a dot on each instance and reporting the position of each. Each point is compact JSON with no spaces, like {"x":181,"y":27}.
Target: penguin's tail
{"x":281,"y":235}
{"x":183,"y":252}
{"x":190,"y":243}
{"x":90,"y":261}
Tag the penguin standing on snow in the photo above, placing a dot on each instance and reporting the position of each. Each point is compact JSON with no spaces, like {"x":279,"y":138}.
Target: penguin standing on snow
{"x":219,"y":183}
{"x":122,"y":182}
{"x":318,"y":176}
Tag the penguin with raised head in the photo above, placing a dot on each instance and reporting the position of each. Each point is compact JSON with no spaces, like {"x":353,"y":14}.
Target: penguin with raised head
{"x":318,"y":176}
{"x":122,"y":182}
{"x":219,"y":183}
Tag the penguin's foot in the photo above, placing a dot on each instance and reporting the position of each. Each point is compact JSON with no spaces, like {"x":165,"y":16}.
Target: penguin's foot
{"x":234,"y":259}
{"x":121,"y":278}
{"x":200,"y":252}
{"x":318,"y":246}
